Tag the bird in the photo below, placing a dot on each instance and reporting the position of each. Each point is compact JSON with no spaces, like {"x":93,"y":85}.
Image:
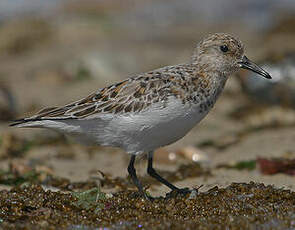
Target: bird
{"x":153,"y":109}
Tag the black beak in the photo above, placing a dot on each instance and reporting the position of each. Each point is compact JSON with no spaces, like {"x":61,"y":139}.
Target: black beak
{"x":247,"y":64}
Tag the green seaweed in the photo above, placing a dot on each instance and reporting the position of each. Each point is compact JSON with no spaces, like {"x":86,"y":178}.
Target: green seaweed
{"x":90,"y":199}
{"x":241,"y":165}
{"x":10,"y":178}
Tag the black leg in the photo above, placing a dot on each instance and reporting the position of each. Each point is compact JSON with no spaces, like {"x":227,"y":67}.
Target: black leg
{"x":132,"y":173}
{"x":151,"y":171}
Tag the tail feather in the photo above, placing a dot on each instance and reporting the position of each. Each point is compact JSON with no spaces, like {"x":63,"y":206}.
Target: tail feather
{"x":17,"y":122}
{"x":33,"y":122}
{"x":27,"y":122}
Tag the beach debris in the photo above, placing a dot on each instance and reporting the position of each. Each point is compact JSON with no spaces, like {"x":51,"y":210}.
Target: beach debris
{"x":276,"y":165}
{"x":240,"y":165}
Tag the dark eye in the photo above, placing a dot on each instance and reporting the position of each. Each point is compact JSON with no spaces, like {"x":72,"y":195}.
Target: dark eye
{"x":224,"y":48}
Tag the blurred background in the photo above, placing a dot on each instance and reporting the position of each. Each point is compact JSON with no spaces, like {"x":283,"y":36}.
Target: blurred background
{"x":55,"y":52}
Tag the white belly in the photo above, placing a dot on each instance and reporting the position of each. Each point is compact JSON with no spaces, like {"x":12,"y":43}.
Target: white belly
{"x":151,"y":129}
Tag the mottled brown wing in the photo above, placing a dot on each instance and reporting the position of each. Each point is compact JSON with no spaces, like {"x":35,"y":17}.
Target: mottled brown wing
{"x":131,"y":95}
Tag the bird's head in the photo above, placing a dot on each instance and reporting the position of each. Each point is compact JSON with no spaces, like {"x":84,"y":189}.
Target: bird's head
{"x":224,"y":53}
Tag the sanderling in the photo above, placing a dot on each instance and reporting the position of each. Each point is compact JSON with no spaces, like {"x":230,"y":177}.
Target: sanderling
{"x":153,"y":109}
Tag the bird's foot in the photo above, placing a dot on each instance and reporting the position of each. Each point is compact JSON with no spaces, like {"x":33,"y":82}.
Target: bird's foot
{"x":184,"y":191}
{"x":142,"y":194}
{"x":176,"y":192}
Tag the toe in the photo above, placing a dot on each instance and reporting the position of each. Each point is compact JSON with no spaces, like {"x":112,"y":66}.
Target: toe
{"x":180,"y":191}
{"x":184,"y":191}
